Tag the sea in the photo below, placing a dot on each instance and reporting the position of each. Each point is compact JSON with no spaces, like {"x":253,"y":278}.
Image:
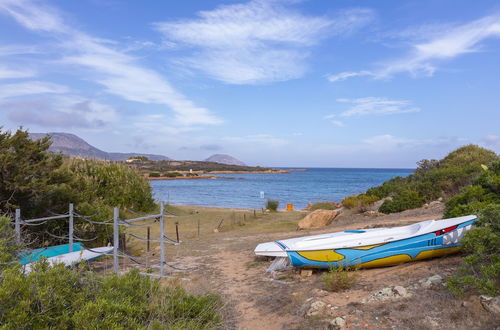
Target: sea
{"x":252,"y":190}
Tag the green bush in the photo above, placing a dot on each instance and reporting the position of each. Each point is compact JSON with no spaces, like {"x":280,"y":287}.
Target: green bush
{"x":154,"y":174}
{"x":434,"y":178}
{"x":173,"y":174}
{"x":62,"y":298}
{"x":338,"y":279}
{"x":406,"y":199}
{"x":272,"y":204}
{"x":359,"y":202}
{"x":323,"y":206}
{"x":481,"y":269}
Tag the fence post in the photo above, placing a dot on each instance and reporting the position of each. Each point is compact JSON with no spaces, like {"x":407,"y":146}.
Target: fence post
{"x":18,"y":226}
{"x":70,"y":227}
{"x":162,"y":235}
{"x":116,"y":240}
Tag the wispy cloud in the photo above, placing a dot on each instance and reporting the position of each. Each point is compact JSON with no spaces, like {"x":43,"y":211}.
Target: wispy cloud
{"x":256,"y":42}
{"x":120,"y":73}
{"x":434,"y":44}
{"x":11,"y":73}
{"x":332,"y":118}
{"x":377,"y":106}
{"x":30,"y":88}
{"x":60,"y":112}
{"x":265,"y":139}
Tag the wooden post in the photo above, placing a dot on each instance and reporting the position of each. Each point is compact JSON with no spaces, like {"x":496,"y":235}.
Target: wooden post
{"x":162,"y":237}
{"x":149,"y":237}
{"x":198,"y":227}
{"x":254,"y":214}
{"x":18,"y":226}
{"x":177,"y":230}
{"x":116,"y":241}
{"x":70,"y":213}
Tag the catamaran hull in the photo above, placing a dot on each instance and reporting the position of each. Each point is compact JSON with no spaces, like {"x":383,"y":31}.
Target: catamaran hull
{"x":442,"y":241}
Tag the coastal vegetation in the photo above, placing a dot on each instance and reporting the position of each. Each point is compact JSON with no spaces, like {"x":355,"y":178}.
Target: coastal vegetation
{"x":272,"y":205}
{"x":42,"y":183}
{"x":323,"y":206}
{"x":338,"y":279}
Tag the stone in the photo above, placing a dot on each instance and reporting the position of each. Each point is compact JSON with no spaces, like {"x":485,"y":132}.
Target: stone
{"x":306,"y":272}
{"x":431,"y":281}
{"x":338,"y":323}
{"x":318,"y":218}
{"x":491,"y":304}
{"x":316,"y":308}
{"x":400,"y":291}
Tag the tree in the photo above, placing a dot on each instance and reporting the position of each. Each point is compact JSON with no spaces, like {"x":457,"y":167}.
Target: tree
{"x":28,"y":172}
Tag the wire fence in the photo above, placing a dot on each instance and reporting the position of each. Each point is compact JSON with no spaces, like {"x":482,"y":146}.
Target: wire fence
{"x":116,"y":222}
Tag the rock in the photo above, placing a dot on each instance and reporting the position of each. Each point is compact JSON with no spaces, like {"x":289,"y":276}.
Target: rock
{"x":379,"y":203}
{"x":372,"y":214}
{"x":306,"y":272}
{"x":400,"y":291}
{"x":388,"y":293}
{"x":318,"y":218}
{"x":337,"y":323}
{"x":316,"y":308}
{"x":431,"y":281}
{"x":491,"y":304}
{"x":320,"y":293}
{"x":433,"y":203}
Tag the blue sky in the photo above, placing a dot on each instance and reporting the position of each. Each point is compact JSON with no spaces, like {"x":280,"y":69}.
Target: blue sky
{"x":275,"y":83}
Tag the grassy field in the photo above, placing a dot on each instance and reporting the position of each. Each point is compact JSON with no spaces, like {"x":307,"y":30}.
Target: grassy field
{"x":195,"y":223}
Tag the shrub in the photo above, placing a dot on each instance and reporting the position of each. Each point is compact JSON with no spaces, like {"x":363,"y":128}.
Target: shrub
{"x":435,"y":178}
{"x":62,"y":298}
{"x":338,"y":279}
{"x":481,"y":269}
{"x":406,"y":199}
{"x":359,"y":202}
{"x":154,"y":174}
{"x":272,"y":204}
{"x":173,"y":174}
{"x":323,"y":206}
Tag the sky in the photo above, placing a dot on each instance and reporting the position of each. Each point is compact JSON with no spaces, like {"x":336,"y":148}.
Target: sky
{"x":271,"y":82}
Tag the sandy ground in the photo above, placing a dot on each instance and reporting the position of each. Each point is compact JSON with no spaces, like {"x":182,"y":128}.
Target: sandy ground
{"x":225,"y":264}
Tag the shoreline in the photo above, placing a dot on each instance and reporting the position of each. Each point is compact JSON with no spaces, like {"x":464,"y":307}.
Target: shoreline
{"x":208,"y":175}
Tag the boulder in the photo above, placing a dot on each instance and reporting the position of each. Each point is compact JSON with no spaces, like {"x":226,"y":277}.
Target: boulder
{"x":492,"y":305}
{"x":428,"y":283}
{"x":337,"y":323}
{"x":316,"y":308}
{"x":318,"y":218}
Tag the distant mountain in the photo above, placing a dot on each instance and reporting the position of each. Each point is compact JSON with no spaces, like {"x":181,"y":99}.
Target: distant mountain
{"x":74,"y":146}
{"x":224,"y":159}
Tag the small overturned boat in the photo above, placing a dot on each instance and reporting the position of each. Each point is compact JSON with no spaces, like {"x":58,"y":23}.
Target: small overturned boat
{"x":60,"y":254}
{"x":376,"y":247}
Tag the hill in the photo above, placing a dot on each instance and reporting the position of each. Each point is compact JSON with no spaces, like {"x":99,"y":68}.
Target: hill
{"x":224,"y":159}
{"x":74,"y":146}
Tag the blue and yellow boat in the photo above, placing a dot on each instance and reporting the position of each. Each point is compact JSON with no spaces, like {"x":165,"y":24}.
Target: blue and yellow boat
{"x":377,"y":247}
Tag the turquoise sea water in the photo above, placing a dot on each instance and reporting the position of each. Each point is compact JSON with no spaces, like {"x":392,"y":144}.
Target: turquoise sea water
{"x":299,"y":188}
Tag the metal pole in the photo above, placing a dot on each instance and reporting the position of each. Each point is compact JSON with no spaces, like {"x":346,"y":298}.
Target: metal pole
{"x":70,"y":227}
{"x":116,"y":240}
{"x":162,"y":235}
{"x":18,"y":226}
{"x":149,"y":237}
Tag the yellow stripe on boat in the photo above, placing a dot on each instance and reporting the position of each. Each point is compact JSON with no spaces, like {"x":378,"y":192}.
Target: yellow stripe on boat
{"x":321,"y":255}
{"x":387,"y":261}
{"x":436,"y":253}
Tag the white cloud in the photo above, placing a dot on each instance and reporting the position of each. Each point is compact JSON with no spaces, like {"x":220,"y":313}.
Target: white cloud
{"x":435,"y":43}
{"x":377,"y":106}
{"x":10,"y":73}
{"x":117,"y":71}
{"x":388,"y":141}
{"x":336,"y":122}
{"x":264,"y":139}
{"x":30,"y":88}
{"x":60,"y":111}
{"x":346,"y":75}
{"x":491,"y":141}
{"x":256,"y":42}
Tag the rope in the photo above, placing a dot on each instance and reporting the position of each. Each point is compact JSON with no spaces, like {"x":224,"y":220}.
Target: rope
{"x":169,"y":241}
{"x":54,"y":213}
{"x":55,"y":236}
{"x":139,"y":225}
{"x":106,"y":222}
{"x":98,"y":252}
{"x":84,"y":239}
{"x":33,"y":224}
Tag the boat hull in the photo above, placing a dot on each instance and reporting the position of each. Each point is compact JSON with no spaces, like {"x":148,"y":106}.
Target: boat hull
{"x":421,"y":246}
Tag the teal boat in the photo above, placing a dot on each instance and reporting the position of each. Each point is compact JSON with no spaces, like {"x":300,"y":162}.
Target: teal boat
{"x":34,"y":255}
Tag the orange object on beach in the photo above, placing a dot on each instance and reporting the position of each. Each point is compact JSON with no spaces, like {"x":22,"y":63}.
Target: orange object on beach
{"x":289,"y":207}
